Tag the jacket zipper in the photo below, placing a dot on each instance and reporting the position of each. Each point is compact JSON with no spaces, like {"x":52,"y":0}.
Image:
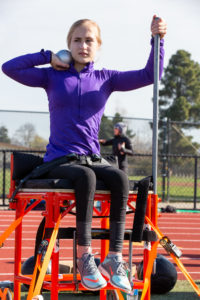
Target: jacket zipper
{"x":79,"y":94}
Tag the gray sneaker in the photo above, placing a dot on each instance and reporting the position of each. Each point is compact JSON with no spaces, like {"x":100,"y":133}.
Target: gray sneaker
{"x":115,"y":268}
{"x":91,"y":278}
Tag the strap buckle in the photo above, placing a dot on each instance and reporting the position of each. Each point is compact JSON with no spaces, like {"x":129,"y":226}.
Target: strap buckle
{"x":96,"y":157}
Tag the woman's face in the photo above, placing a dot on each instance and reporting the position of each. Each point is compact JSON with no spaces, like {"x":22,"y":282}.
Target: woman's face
{"x":84,"y":44}
{"x":116,"y":131}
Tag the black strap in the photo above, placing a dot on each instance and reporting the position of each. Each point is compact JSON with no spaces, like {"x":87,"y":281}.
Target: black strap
{"x":141,"y":205}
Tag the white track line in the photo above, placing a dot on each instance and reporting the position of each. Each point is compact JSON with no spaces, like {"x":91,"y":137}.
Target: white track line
{"x":9,"y":259}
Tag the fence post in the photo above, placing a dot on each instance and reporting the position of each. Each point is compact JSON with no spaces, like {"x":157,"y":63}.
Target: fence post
{"x":164,"y":158}
{"x":168,"y":158}
{"x":195,"y":182}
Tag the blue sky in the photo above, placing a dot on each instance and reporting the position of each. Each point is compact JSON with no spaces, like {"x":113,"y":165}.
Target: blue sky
{"x":26,"y":26}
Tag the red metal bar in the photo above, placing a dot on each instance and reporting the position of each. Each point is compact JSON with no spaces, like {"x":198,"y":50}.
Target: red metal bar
{"x":104,"y":243}
{"x":147,"y":248}
{"x":55,"y":200}
{"x":18,"y":251}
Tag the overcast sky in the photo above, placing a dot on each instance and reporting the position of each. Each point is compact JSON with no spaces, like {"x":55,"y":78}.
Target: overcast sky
{"x":26,"y":26}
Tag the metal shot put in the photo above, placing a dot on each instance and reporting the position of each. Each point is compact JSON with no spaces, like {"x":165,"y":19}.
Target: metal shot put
{"x":65,"y":56}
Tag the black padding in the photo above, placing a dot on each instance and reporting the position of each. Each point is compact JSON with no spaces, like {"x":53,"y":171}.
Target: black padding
{"x":24,"y":163}
{"x":7,"y":284}
{"x":60,"y":184}
{"x":136,"y":184}
{"x":29,"y":264}
{"x":149,"y":236}
{"x":97,"y":233}
{"x":28,"y":268}
{"x":56,"y":184}
{"x":164,"y":278}
{"x":141,"y":204}
{"x":39,"y":237}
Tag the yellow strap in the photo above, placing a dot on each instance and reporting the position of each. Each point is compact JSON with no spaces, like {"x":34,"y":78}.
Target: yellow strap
{"x":15,"y":223}
{"x":9,"y":230}
{"x":176,"y":259}
{"x":187,"y":275}
{"x":46,"y":260}
{"x":3,"y":295}
{"x":121,"y":297}
{"x":36,"y":269}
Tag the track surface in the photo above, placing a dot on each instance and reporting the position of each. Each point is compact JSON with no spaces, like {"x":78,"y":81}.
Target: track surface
{"x":182,"y":229}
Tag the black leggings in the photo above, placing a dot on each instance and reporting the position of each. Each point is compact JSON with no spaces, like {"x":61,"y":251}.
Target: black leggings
{"x":84,"y":180}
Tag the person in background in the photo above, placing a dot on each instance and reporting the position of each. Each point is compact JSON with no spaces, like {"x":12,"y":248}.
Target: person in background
{"x":121,"y":145}
{"x":77,"y":95}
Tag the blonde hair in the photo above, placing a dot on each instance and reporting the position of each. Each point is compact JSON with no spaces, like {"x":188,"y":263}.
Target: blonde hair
{"x":79,"y":23}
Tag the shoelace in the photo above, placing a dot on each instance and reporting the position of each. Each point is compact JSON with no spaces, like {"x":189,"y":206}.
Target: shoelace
{"x":89,"y":264}
{"x":122,"y":268}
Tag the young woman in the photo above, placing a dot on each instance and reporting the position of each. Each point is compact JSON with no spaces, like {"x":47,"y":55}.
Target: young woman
{"x":77,"y":94}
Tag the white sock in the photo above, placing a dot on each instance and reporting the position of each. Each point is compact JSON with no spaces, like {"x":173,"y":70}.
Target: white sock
{"x":113,"y":254}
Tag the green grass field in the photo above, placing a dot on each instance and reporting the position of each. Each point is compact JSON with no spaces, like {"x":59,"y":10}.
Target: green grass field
{"x":181,"y":291}
{"x":180,"y":188}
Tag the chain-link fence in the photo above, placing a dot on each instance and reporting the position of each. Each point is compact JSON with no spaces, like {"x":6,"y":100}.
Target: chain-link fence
{"x":178,"y":163}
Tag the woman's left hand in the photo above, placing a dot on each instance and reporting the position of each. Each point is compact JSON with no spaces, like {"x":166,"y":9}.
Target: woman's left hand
{"x":158,"y":26}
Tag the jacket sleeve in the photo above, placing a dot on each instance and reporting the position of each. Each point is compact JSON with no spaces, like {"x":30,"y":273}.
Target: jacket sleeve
{"x":23,"y":69}
{"x":130,"y":80}
{"x":107,"y":142}
{"x":128,"y":147}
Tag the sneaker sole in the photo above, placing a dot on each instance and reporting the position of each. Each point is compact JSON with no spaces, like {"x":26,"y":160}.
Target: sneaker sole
{"x":107,"y":275}
{"x":95,"y":289}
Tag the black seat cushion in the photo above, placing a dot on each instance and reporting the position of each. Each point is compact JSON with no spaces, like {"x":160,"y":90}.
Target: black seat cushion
{"x":56,"y":184}
{"x":63,"y":184}
{"x":24,"y":163}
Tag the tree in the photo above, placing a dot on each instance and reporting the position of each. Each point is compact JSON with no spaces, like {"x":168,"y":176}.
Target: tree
{"x":180,"y":95}
{"x":106,"y":128}
{"x":24,"y":135}
{"x":38,"y":143}
{"x":107,"y":125}
{"x":4,"y":135}
{"x":180,"y":98}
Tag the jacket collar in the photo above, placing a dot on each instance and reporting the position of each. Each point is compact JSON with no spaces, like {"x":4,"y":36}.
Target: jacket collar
{"x":87,"y":69}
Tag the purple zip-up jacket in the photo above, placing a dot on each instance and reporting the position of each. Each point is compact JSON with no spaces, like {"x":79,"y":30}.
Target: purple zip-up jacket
{"x":76,"y":100}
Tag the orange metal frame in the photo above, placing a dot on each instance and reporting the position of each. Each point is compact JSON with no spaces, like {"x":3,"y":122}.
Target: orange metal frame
{"x":54,"y":201}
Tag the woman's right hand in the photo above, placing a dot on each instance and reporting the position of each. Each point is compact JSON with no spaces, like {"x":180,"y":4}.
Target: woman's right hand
{"x":102,"y":141}
{"x":158,"y":26}
{"x":57,"y":64}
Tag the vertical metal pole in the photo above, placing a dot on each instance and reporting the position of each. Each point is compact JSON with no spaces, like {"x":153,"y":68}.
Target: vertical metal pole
{"x":195,"y":183}
{"x":155,"y":110}
{"x":75,"y":260}
{"x":130,"y":259}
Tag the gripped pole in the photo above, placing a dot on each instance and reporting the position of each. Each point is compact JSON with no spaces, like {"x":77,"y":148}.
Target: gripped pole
{"x":155,"y":111}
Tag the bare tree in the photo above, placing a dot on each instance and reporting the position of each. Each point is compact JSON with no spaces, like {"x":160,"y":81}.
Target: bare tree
{"x":24,"y":135}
